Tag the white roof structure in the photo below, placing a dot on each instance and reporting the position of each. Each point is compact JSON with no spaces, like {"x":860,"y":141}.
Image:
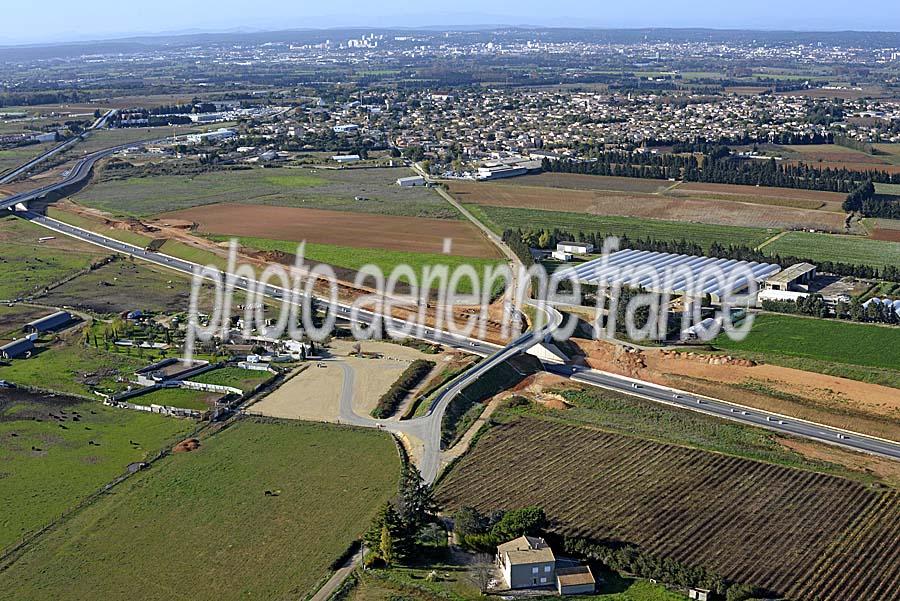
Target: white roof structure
{"x":671,"y":273}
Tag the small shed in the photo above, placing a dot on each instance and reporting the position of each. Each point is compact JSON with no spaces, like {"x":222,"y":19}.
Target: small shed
{"x":54,"y":321}
{"x":700,"y":594}
{"x":578,"y":580}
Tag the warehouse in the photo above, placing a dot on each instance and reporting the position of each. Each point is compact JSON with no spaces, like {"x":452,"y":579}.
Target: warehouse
{"x":408,"y":182}
{"x":54,"y":321}
{"x":671,"y":273}
{"x":797,"y":277}
{"x":23,"y":347}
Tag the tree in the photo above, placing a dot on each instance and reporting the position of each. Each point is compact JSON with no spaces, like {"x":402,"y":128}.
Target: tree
{"x":415,"y":502}
{"x":386,"y":546}
{"x":482,"y":571}
{"x":468,"y":520}
{"x":518,"y":522}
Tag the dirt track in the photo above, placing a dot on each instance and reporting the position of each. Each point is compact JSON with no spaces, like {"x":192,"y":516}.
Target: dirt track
{"x":412,"y":234}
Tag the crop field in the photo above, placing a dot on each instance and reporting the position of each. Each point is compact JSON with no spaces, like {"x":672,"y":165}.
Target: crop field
{"x":225,"y":538}
{"x":332,"y":189}
{"x":828,"y":247}
{"x":825,"y":340}
{"x":71,"y":368}
{"x":354,"y":258}
{"x":579,"y":181}
{"x":27,"y":266}
{"x":787,"y":197}
{"x":48,"y":461}
{"x":500,"y":218}
{"x":725,"y":206}
{"x":837,"y":157}
{"x":340,"y":228}
{"x":803,"y":535}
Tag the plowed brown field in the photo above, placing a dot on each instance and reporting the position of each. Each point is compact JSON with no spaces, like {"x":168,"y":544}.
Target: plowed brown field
{"x":414,"y":234}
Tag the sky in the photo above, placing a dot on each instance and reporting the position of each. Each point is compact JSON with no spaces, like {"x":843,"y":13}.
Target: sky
{"x":63,"y":20}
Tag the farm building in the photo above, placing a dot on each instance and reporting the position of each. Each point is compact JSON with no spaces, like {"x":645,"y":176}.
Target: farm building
{"x":561,"y":255}
{"x":499,"y":172}
{"x":671,"y":273}
{"x":576,"y":248}
{"x":345,"y":158}
{"x":526,"y":562}
{"x":51,"y":322}
{"x":796,"y":277}
{"x":578,"y":580}
{"x":23,"y":347}
{"x":407,"y":182}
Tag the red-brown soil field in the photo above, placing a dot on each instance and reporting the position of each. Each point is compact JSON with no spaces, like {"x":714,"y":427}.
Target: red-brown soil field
{"x":651,"y":206}
{"x":803,"y":535}
{"x":414,"y":234}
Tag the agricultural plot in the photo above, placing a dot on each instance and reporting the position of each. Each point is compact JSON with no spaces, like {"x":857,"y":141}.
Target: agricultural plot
{"x":224,"y":535}
{"x":799,"y":534}
{"x":840,"y":157}
{"x":27,"y":265}
{"x":500,"y":218}
{"x":55,"y":451}
{"x":828,"y":247}
{"x":354,"y":258}
{"x":355,"y":190}
{"x":724,"y":206}
{"x":340,"y":228}
{"x":578,"y":181}
{"x":823,"y":340}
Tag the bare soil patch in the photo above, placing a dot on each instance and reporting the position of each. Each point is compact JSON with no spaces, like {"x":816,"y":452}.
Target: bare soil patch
{"x":338,"y":227}
{"x":840,"y":402}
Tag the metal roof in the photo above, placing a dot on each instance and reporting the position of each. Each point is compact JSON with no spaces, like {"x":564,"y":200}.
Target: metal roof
{"x":789,"y":274}
{"x":666,"y":272}
{"x":50,"y":322}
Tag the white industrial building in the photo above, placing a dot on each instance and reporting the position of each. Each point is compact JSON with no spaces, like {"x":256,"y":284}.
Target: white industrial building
{"x":223,"y":133}
{"x":671,"y":273}
{"x":345,"y":158}
{"x":408,"y":182}
{"x":575,"y":248}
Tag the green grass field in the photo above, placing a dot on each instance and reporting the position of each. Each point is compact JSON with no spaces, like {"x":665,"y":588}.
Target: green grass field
{"x":354,"y":258}
{"x":824,"y":340}
{"x":14,"y":157}
{"x":292,"y":187}
{"x":182,"y":398}
{"x":500,"y":218}
{"x":236,"y":377}
{"x":27,"y":266}
{"x":200,"y":525}
{"x":72,"y":369}
{"x":38,"y":485}
{"x":830,"y":247}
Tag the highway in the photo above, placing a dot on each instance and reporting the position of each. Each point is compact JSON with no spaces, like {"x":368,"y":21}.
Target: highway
{"x":100,"y":122}
{"x":738,"y":413}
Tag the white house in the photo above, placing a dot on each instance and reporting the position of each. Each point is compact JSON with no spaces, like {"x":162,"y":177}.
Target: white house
{"x":526,"y":562}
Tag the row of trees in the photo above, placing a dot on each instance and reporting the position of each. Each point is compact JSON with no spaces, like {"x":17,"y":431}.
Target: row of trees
{"x":815,"y":306}
{"x":718,"y":166}
{"x":630,"y":559}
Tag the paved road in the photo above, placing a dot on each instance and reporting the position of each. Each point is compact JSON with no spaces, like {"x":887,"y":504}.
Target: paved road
{"x":99,"y":123}
{"x":730,"y":411}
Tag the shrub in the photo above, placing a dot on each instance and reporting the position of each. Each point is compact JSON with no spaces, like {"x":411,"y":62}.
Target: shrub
{"x":408,"y":380}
